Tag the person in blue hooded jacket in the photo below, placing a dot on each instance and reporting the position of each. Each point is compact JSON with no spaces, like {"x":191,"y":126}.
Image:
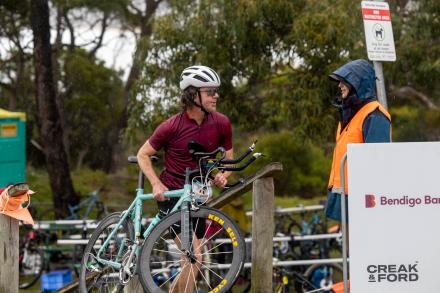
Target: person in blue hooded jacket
{"x":361,"y":120}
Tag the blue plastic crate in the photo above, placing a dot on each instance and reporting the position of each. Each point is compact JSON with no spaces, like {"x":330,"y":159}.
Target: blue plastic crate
{"x":55,"y":280}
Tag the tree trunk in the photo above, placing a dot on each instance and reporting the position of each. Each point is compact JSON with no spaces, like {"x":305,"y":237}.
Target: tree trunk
{"x":50,"y":125}
{"x":145,"y":21}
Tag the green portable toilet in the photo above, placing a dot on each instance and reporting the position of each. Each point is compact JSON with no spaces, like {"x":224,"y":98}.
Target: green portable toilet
{"x":12,"y":147}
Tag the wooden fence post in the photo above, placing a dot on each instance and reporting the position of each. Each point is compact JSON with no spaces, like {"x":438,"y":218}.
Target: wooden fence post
{"x":8,"y":254}
{"x":262,"y":233}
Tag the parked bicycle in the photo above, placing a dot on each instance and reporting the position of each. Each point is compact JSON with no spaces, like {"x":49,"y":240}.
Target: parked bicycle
{"x":303,"y":278}
{"x":167,"y":254}
{"x":86,"y":206}
{"x":314,"y":278}
{"x":37,"y":254}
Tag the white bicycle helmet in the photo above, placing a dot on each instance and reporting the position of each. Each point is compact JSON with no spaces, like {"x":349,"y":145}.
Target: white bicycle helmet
{"x":199,"y":76}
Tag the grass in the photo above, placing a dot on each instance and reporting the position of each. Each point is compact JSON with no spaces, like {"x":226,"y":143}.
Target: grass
{"x":119,"y":190}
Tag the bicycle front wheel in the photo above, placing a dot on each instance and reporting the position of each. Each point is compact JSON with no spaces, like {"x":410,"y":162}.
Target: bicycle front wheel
{"x":94,"y":276}
{"x":213,"y":265}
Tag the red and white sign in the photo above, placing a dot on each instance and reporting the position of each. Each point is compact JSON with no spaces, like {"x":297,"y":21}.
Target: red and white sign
{"x":378,"y":31}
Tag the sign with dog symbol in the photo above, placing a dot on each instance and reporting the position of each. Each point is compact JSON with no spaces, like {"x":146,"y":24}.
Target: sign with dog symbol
{"x":378,"y":31}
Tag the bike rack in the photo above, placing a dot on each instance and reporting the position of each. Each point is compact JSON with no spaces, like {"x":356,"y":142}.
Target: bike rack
{"x":298,"y":209}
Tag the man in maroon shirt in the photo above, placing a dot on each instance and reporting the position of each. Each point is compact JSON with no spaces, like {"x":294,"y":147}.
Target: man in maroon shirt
{"x":198,"y":122}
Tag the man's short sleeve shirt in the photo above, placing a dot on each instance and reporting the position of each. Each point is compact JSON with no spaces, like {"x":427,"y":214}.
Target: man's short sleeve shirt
{"x":174,"y":134}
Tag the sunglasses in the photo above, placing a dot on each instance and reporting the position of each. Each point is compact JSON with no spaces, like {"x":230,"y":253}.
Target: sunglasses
{"x":211,"y":92}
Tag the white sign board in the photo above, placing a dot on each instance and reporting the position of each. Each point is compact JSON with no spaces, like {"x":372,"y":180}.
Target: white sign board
{"x":394,"y":216}
{"x":378,"y":31}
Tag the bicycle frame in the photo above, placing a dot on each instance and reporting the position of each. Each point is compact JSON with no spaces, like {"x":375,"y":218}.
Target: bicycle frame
{"x":184,"y":203}
{"x":89,"y":203}
{"x":135,"y":209}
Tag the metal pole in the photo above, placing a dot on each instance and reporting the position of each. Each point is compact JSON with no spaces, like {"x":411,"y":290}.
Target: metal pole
{"x":380,"y":84}
{"x":380,"y":80}
{"x":344,"y":224}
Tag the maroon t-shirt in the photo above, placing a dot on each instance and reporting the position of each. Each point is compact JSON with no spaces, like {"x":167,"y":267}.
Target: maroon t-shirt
{"x":174,"y":134}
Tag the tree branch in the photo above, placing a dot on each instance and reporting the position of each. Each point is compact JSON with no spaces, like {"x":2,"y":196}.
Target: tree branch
{"x":408,"y":92}
{"x":71,"y":31}
{"x":101,"y":36}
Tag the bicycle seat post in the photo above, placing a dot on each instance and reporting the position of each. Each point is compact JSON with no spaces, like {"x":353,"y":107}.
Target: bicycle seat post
{"x":141,"y":179}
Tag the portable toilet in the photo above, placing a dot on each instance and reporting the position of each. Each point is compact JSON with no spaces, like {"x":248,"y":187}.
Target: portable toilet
{"x":12,"y":147}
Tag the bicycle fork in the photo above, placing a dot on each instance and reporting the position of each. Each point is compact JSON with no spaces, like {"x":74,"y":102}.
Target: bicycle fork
{"x":186,"y":231}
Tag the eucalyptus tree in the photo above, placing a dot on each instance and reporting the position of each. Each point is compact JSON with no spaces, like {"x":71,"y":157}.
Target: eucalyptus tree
{"x":273,"y":58}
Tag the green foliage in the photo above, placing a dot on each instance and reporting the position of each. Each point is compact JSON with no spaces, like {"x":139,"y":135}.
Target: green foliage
{"x":305,"y":167}
{"x":273,"y":58}
{"x":93,"y":104}
{"x":408,"y":122}
{"x":418,"y":48}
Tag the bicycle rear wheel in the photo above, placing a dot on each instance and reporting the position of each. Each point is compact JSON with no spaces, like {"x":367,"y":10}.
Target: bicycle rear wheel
{"x":322,"y":276}
{"x":94,"y":276}
{"x":219,"y":253}
{"x":30,"y":266}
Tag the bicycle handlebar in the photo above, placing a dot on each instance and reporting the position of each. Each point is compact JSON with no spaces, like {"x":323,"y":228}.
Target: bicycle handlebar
{"x":243,"y":166}
{"x":242,"y":156}
{"x":213,"y":153}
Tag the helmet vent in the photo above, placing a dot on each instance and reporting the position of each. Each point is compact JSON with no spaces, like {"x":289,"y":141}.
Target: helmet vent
{"x":200,"y":78}
{"x":207,"y":73}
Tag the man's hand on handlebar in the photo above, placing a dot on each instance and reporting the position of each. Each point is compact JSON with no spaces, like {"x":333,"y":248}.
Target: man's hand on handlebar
{"x":220,"y":180}
{"x":158,"y":190}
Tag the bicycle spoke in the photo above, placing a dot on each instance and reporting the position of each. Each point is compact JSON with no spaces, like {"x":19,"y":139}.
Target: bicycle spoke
{"x":206,"y":240}
{"x":218,"y":245}
{"x":211,"y":263}
{"x":220,"y":277}
{"x":170,"y":278}
{"x":195,"y":229}
{"x":187,"y":280}
{"x":194,"y":278}
{"x":178,"y":278}
{"x":215,"y":253}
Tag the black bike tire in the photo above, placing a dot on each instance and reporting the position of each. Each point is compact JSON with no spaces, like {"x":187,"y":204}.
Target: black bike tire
{"x":312,"y":268}
{"x":37,"y":276}
{"x":238,"y":255}
{"x":107,"y":221}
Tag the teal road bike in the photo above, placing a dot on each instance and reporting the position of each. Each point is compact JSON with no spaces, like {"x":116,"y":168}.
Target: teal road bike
{"x":193,"y":249}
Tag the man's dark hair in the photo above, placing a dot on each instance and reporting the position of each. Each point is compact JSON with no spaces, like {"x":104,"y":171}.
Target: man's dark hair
{"x":188,"y":96}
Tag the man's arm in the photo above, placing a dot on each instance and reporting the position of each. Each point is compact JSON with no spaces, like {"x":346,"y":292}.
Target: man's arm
{"x":146,"y":166}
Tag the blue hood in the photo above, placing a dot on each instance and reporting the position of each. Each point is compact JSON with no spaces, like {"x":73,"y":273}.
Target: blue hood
{"x":360,"y":75}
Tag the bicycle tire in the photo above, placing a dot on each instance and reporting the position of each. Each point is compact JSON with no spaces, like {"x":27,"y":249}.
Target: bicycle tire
{"x":103,"y":278}
{"x":219,"y":264}
{"x":31,"y":270}
{"x":322,"y":276}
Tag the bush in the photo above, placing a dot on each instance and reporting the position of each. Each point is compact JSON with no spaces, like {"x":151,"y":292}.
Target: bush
{"x":305,"y":167}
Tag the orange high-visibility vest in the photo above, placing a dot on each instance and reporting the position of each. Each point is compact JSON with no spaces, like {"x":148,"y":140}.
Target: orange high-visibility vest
{"x":352,"y":133}
{"x":339,"y":287}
